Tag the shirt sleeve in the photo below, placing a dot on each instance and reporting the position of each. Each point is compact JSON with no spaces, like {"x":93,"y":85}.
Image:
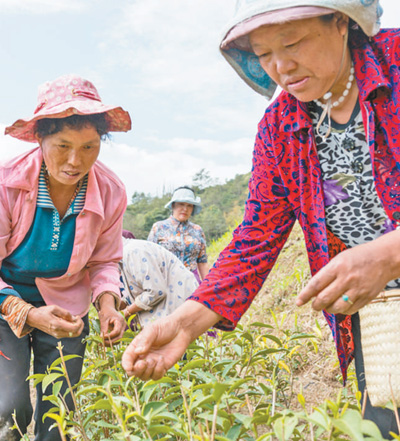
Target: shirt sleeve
{"x":147,"y":283}
{"x":5,"y":229}
{"x":202,"y":257}
{"x":4,"y":293}
{"x":103,"y":264}
{"x":244,"y":264}
{"x":152,"y":237}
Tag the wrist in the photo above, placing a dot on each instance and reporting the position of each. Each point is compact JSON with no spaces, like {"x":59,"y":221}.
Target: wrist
{"x":107,"y":300}
{"x":388,"y":256}
{"x":194,"y":318}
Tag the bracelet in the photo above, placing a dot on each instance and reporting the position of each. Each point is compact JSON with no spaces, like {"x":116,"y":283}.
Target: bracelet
{"x":15,"y":312}
{"x":117,"y":300}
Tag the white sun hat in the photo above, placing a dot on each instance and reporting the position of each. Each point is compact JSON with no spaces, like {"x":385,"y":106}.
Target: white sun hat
{"x":185,"y":194}
{"x":252,"y":14}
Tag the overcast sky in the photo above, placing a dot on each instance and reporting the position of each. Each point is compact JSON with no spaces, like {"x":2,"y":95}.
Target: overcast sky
{"x":158,"y":59}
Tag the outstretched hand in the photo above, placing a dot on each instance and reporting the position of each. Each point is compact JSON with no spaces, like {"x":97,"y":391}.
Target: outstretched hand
{"x":353,"y":278}
{"x":161,"y":344}
{"x":55,"y":321}
{"x":155,"y":350}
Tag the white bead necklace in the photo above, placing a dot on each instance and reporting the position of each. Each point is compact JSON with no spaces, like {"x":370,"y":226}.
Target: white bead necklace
{"x":327,"y":107}
{"x":346,"y":91}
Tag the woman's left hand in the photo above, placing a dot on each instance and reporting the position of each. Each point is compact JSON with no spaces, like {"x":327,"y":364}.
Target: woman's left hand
{"x":354,"y":277}
{"x":112,"y":323}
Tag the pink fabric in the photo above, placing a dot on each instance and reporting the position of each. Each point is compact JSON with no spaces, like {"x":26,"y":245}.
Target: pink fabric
{"x":98,"y":238}
{"x":128,"y":234}
{"x":279,"y":16}
{"x":65,"y":96}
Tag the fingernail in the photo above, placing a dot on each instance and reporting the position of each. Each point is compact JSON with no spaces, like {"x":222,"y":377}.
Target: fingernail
{"x":139,"y":349}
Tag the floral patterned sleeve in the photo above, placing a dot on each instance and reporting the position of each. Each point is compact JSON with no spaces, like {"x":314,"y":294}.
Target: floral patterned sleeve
{"x":202,"y":257}
{"x":153,"y":234}
{"x":244,"y":264}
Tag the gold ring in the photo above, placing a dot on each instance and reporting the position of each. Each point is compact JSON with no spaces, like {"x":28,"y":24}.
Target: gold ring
{"x":70,"y":334}
{"x":346,"y":298}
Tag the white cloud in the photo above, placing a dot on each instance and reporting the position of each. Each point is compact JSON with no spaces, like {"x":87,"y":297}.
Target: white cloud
{"x":172,"y":46}
{"x":42,"y":6}
{"x":155,"y":172}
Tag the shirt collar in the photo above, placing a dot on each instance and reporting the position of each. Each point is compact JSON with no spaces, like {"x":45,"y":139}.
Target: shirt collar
{"x":44,"y":200}
{"x":177,"y":223}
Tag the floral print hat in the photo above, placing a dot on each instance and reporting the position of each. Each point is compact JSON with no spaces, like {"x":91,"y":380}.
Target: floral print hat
{"x":65,"y":96}
{"x":252,"y":14}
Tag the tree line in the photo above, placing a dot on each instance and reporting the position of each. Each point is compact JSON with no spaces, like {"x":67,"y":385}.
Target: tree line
{"x":223,"y":206}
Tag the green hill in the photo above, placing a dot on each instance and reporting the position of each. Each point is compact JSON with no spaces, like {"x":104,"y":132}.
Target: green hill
{"x":223,"y":206}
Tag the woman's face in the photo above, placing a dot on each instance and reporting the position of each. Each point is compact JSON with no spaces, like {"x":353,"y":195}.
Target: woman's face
{"x":69,"y":154}
{"x":304,"y":56}
{"x":182,"y":211}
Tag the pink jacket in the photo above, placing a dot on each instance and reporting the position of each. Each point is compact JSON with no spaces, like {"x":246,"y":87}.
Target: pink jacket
{"x":98,"y":237}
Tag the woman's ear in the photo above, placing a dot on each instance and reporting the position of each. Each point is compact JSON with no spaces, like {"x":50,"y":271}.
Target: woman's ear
{"x":38,"y":139}
{"x":342,"y":22}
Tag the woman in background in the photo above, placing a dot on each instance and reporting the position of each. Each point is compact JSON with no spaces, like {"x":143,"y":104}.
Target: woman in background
{"x":61,"y":215}
{"x":181,"y":237}
{"x":154,"y":281}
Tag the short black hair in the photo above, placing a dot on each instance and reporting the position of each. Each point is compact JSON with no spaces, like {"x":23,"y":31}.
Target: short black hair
{"x":51,"y":126}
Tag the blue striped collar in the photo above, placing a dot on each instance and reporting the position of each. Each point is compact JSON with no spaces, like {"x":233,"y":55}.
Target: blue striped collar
{"x":44,"y":199}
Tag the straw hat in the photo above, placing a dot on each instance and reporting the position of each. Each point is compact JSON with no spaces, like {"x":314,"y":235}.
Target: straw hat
{"x":65,"y":96}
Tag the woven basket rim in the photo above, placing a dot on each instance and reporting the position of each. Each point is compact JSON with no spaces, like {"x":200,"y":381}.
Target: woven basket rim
{"x":391,"y":295}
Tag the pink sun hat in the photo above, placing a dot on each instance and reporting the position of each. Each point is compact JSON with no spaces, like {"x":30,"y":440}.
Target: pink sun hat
{"x":65,"y":96}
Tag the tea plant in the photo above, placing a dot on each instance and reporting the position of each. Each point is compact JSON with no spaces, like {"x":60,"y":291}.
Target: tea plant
{"x":236,"y":386}
{"x":239,"y":386}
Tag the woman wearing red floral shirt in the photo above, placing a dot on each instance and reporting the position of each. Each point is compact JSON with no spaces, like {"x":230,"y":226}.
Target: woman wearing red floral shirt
{"x":326,"y":154}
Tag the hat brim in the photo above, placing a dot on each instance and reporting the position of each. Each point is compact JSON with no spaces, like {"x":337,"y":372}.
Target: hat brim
{"x":236,"y":48}
{"x":118,"y":119}
{"x":238,"y":36}
{"x":196,"y":205}
{"x":235,"y":45}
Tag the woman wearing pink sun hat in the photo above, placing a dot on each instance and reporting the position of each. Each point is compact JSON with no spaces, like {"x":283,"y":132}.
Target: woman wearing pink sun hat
{"x":61,"y":216}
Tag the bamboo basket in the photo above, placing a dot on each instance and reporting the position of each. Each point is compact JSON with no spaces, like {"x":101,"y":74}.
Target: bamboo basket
{"x":380,"y":339}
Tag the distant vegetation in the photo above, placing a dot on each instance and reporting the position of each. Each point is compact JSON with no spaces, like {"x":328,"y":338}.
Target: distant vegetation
{"x":223,"y":206}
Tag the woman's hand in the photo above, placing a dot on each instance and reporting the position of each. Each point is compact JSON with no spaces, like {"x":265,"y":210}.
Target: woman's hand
{"x":156,"y":349}
{"x":161,"y":344}
{"x":360,"y":273}
{"x":129,"y":310}
{"x":112,"y":323}
{"x":55,"y":321}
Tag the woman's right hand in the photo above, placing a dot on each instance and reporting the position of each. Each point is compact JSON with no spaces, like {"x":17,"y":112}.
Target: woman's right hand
{"x":55,"y":321}
{"x":161,"y":344}
{"x":156,"y":349}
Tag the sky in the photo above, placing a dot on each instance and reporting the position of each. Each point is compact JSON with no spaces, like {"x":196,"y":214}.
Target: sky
{"x":159,"y":60}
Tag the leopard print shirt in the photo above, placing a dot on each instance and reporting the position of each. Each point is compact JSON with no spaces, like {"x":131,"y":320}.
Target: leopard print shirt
{"x":353,"y":210}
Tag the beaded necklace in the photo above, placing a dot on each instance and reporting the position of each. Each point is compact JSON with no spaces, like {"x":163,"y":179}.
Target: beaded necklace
{"x":327,"y":107}
{"x":346,"y":91}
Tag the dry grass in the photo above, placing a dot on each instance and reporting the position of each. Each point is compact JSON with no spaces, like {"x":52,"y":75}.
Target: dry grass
{"x":319,"y":377}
